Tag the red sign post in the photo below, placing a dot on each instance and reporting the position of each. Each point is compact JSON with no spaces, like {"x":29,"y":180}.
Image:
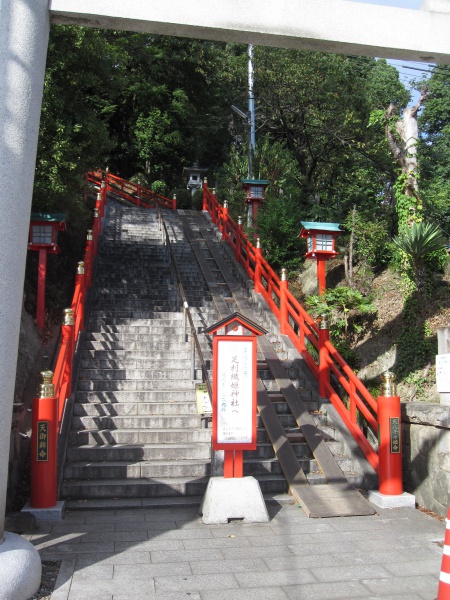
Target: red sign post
{"x":234,"y":390}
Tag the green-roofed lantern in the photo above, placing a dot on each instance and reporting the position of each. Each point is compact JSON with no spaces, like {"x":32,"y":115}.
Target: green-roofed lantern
{"x":43,"y":238}
{"x":320,"y":242}
{"x":255,"y":190}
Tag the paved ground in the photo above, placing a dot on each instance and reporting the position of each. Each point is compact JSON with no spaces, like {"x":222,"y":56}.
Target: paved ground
{"x":169,"y":554}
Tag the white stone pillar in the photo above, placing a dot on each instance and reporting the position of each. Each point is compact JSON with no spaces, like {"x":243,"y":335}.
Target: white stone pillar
{"x":24,"y":31}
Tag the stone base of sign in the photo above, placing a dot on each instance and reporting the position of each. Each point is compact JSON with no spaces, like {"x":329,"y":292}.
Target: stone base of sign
{"x":20,"y":568}
{"x":54,"y":513}
{"x":233,"y":498}
{"x":404,"y":500}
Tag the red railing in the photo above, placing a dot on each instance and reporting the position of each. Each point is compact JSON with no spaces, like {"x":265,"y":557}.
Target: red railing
{"x":349,"y":396}
{"x":132,"y":192}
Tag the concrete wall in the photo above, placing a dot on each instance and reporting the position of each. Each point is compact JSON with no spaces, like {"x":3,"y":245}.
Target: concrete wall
{"x":426,"y":454}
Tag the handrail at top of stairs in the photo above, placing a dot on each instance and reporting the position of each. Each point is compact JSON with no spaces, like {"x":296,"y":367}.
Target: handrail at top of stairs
{"x":352,"y":400}
{"x":195,"y":343}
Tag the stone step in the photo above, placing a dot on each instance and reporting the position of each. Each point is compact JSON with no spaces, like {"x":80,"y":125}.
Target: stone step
{"x":142,"y":348}
{"x":120,"y":397}
{"x":149,"y":488}
{"x":134,"y":374}
{"x":97,"y":409}
{"x":103,"y":437}
{"x":143,"y":422}
{"x":135,"y":470}
{"x":133,"y":328}
{"x":136,"y":336}
{"x":150,"y":312}
{"x":127,"y":322}
{"x":140,"y":364}
{"x":137,"y":385}
{"x":145,"y":452}
{"x":136,"y":355}
{"x":136,"y":488}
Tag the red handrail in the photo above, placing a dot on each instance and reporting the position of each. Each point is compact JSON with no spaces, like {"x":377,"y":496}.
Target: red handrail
{"x":132,"y":192}
{"x":302,"y":330}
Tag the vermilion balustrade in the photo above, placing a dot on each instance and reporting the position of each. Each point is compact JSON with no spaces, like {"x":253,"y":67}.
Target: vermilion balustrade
{"x":350,"y":397}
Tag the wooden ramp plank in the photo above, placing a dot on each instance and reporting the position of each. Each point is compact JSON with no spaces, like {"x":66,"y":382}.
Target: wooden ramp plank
{"x":288,"y":461}
{"x":332,"y":500}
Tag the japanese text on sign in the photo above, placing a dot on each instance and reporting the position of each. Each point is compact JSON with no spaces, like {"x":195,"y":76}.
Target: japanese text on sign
{"x":395,"y":435}
{"x":234,"y":392}
{"x":42,"y":441}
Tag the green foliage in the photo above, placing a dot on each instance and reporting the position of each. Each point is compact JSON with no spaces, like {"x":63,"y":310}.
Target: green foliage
{"x":184,"y":198}
{"x":278,"y":230}
{"x":418,"y":242}
{"x":416,"y":346}
{"x":372,"y":243}
{"x":339,"y":304}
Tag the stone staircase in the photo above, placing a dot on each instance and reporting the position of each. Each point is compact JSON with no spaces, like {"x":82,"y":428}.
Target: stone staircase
{"x":135,"y":423}
{"x":135,"y":432}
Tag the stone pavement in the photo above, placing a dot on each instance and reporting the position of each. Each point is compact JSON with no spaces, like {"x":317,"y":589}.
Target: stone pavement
{"x":169,"y":554}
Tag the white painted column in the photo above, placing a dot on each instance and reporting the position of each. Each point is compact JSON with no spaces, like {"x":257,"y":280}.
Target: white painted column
{"x":24,"y":32}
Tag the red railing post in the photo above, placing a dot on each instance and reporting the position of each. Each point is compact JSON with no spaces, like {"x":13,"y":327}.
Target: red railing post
{"x":42,"y":268}
{"x":324,"y":369}
{"x":88,"y":258}
{"x":95,"y":232}
{"x":205,"y":195}
{"x":258,"y":286}
{"x":67,"y":340}
{"x":238,"y":240}
{"x":284,"y":320}
{"x":80,"y":289}
{"x":214,"y":213}
{"x":43,"y":444}
{"x":225,"y":221}
{"x":390,"y":438}
{"x":174,"y":202}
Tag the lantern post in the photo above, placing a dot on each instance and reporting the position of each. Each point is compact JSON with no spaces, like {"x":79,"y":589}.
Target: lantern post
{"x":43,"y":236}
{"x":321,"y":240}
{"x":255,"y":195}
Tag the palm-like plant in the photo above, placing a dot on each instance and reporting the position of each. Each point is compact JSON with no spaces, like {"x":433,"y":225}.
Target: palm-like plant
{"x":417,"y":242}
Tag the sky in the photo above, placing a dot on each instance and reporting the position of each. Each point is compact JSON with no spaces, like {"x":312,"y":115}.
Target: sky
{"x":406,"y":69}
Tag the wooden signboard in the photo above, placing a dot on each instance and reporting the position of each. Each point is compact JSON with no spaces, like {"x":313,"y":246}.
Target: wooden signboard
{"x":234,"y":392}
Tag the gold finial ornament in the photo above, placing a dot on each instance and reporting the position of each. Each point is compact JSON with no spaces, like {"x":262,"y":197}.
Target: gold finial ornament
{"x":205,"y":181}
{"x":213,"y":191}
{"x":80,"y":268}
{"x":99,"y":196}
{"x":46,"y":389}
{"x":68,"y":317}
{"x":258,"y":243}
{"x":239,"y":220}
{"x":89,"y":236}
{"x":174,"y":197}
{"x":388,"y":387}
{"x":283,"y":274}
{"x":95,"y":213}
{"x":324,"y":322}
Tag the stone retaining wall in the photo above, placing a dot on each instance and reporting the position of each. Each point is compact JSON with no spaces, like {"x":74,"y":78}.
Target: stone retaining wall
{"x":426,"y":454}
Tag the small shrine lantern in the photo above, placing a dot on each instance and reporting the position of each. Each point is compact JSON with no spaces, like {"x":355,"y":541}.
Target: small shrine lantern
{"x":255,"y":190}
{"x":320,"y":240}
{"x":194,"y":177}
{"x":43,"y":237}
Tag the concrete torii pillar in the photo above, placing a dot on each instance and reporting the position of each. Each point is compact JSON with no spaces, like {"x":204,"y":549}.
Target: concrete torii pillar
{"x":24,"y":32}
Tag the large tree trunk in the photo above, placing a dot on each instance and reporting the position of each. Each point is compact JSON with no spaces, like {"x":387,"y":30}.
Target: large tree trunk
{"x":403,"y":146}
